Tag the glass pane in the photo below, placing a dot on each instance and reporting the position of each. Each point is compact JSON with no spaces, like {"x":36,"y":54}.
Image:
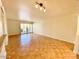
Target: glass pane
{"x":26,"y":28}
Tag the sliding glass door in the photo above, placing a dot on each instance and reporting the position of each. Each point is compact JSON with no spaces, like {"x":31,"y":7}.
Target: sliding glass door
{"x":26,"y":28}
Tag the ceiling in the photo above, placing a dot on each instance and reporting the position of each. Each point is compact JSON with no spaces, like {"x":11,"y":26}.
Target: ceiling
{"x":15,"y":9}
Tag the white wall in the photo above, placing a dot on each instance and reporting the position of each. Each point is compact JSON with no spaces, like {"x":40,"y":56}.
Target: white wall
{"x":61,"y":27}
{"x":13,"y":26}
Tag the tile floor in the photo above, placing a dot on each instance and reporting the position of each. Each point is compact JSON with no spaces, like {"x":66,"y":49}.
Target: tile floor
{"x":32,"y":46}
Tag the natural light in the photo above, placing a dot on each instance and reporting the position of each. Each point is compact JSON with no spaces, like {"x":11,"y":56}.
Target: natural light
{"x":24,"y":13}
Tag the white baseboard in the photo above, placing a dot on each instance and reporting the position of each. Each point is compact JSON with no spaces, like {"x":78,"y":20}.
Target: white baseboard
{"x":13,"y":34}
{"x":54,"y":37}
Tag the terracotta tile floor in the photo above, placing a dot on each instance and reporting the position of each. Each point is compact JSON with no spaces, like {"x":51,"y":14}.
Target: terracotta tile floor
{"x":31,"y":46}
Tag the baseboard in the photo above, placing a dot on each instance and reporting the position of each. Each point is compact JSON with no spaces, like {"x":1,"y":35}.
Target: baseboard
{"x":10,"y":35}
{"x":55,"y":38}
{"x":17,"y":34}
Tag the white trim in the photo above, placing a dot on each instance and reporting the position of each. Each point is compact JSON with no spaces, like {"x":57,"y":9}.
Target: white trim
{"x":55,"y":37}
{"x":13,"y":34}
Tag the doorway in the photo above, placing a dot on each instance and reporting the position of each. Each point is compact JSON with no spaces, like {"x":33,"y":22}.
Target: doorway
{"x":26,"y":28}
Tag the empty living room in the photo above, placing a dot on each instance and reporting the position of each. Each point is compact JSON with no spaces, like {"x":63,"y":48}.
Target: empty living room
{"x":39,"y":29}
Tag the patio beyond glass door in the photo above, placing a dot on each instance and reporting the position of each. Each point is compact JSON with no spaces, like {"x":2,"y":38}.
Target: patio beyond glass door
{"x":26,"y":28}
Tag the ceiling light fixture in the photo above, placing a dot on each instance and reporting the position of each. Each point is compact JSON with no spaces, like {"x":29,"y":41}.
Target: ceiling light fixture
{"x":41,"y":6}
